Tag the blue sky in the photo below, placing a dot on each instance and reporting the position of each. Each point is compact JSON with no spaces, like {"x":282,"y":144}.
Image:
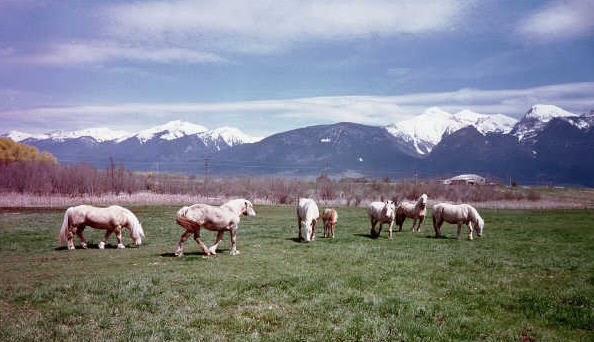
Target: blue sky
{"x":268,"y":66}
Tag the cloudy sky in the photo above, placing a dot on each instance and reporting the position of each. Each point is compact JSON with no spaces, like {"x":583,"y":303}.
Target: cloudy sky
{"x":268,"y":66}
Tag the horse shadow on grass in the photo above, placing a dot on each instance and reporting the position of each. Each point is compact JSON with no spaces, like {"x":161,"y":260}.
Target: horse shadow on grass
{"x":369,"y":236}
{"x":94,"y":246}
{"x":197,"y":253}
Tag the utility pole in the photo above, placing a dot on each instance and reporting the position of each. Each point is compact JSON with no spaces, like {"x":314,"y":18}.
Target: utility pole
{"x":206,"y":160}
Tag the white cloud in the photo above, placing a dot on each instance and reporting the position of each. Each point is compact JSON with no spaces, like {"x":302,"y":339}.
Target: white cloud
{"x":560,"y":19}
{"x":264,"y":26}
{"x":577,"y":97}
{"x":100,"y":52}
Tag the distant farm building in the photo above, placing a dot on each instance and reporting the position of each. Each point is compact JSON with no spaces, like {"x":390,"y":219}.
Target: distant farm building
{"x":470,"y":179}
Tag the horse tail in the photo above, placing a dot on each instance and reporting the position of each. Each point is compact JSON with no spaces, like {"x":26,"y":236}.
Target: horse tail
{"x":434,"y":220}
{"x":65,"y":223}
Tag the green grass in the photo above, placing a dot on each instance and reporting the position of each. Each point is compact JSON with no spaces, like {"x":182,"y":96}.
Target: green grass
{"x":531,"y":277}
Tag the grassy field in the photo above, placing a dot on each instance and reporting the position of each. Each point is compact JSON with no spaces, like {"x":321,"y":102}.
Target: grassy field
{"x":530,"y":278}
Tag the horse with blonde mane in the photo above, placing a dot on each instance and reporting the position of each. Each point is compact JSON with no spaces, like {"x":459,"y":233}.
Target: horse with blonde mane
{"x":381,"y":212}
{"x":307,"y":215}
{"x":112,"y":219}
{"x":457,"y":214}
{"x":330,"y":218}
{"x":416,"y":211}
{"x":224,"y":218}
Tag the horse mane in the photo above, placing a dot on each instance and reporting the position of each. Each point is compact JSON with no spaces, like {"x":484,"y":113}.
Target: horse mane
{"x":236,"y":205}
{"x":475,"y":216}
{"x":63,"y":238}
{"x":135,"y":226}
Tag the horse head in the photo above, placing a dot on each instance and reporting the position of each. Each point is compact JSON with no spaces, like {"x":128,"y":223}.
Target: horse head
{"x":248,"y":209}
{"x":479,"y":226}
{"x":422,"y":201}
{"x":389,"y":209}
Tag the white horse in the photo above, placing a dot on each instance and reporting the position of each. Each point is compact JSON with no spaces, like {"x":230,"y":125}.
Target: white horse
{"x":112,"y":219}
{"x":330,"y":218}
{"x":307,"y":215}
{"x":381,"y":212}
{"x":417,"y":210}
{"x":220,"y":219}
{"x":458,"y":214}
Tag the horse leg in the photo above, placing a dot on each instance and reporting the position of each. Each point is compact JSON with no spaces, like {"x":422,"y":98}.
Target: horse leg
{"x":200,"y":243}
{"x":79,"y":232}
{"x":70,"y":237}
{"x":299,"y":237}
{"x":469,"y":230}
{"x":234,"y":250}
{"x":379,"y":230}
{"x":313,"y":229}
{"x":213,"y":248}
{"x":372,"y":232}
{"x":421,"y":219}
{"x":390,"y":230}
{"x":180,"y":247}
{"x":118,"y":232}
{"x":102,"y":242}
{"x":458,"y":231}
{"x":332,"y":226}
{"x":414,"y":223}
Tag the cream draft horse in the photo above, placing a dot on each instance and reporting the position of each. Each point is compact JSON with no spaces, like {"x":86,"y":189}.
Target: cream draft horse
{"x":381,"y":212}
{"x":457,"y":214}
{"x":330,"y":218}
{"x":415,"y":211}
{"x":307,"y":215}
{"x":220,"y":219}
{"x":112,"y":219}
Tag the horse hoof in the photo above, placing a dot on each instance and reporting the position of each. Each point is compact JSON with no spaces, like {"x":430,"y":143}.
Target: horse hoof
{"x":212,"y":251}
{"x":84,"y":246}
{"x":121,"y":245}
{"x":101,"y":245}
{"x":71,"y":248}
{"x":235,"y":252}
{"x":179,"y":255}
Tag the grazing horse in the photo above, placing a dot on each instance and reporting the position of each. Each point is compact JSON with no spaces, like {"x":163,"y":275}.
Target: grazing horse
{"x":330,"y":217}
{"x":112,"y":219}
{"x":415,"y":211}
{"x":307,"y":215}
{"x":458,"y":214}
{"x":224,"y":218}
{"x":381,"y":212}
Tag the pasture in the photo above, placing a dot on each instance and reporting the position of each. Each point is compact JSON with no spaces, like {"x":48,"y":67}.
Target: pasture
{"x":530,"y":278}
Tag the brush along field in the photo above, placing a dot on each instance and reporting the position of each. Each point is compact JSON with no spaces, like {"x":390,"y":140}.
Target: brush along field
{"x":529,"y":278}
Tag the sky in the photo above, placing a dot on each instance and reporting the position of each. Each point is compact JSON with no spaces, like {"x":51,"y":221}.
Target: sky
{"x":270,"y":66}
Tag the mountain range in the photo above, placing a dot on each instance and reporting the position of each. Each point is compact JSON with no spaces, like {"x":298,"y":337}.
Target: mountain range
{"x":548,"y":144}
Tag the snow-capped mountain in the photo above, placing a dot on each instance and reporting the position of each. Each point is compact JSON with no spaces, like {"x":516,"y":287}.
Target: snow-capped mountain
{"x":426,"y":130}
{"x":169,"y":131}
{"x":229,"y":136}
{"x":537,"y":117}
{"x":20,"y":136}
{"x":100,"y":134}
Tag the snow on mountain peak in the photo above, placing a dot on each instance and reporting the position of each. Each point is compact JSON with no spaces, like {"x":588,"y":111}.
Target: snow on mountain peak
{"x":229,"y":135}
{"x":100,"y":134}
{"x":426,"y":130}
{"x":536,"y":119}
{"x":545,"y":113}
{"x":172,"y":130}
{"x":20,"y":136}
